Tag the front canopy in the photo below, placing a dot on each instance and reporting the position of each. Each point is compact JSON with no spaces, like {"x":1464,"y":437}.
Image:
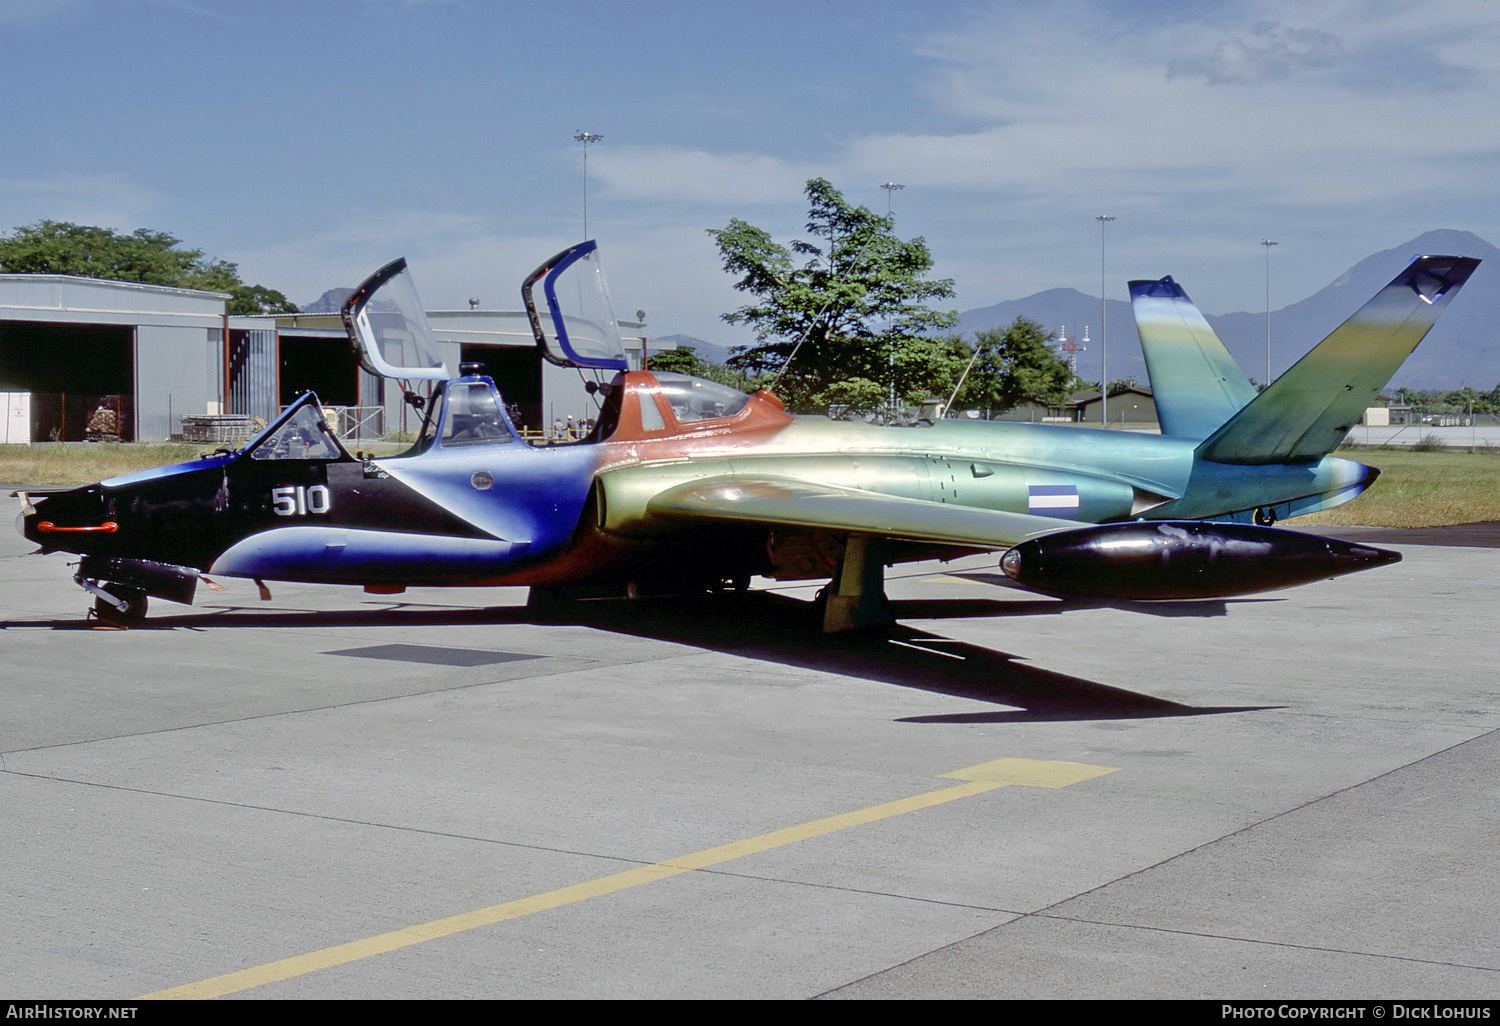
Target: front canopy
{"x":388,"y":327}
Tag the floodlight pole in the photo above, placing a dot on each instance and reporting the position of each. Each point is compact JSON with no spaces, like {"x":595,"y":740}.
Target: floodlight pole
{"x":1268,"y":243}
{"x":586,"y":138}
{"x":890,"y":346}
{"x":1103,"y":220}
{"x":889,"y":188}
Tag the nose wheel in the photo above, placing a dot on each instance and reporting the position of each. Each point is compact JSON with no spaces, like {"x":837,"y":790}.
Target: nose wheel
{"x":107,"y":606}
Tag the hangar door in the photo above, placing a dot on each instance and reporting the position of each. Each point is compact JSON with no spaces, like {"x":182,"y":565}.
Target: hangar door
{"x":327,"y":366}
{"x":81,"y":378}
{"x":518,"y":374}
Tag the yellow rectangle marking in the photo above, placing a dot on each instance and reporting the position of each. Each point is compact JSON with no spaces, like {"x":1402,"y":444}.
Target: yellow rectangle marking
{"x":1030,"y":772}
{"x":978,"y":779}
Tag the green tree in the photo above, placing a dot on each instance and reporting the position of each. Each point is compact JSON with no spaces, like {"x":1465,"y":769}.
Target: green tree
{"x":144,"y":256}
{"x":256,"y":299}
{"x":685,"y":360}
{"x":835,"y":313}
{"x":1014,"y":366}
{"x":1460,"y":399}
{"x":930,"y":367}
{"x":1419,"y":400}
{"x":682,"y":360}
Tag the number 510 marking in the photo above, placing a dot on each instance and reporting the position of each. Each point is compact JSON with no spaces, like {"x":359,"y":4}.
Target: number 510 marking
{"x":295,"y":500}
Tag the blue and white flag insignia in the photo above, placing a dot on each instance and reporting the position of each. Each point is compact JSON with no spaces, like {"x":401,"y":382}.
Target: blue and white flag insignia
{"x":1052,"y":500}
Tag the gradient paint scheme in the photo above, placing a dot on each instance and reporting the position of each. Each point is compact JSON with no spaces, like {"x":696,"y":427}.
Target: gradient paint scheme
{"x":763,"y":492}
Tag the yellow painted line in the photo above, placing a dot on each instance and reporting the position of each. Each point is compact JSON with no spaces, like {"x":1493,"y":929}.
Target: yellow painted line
{"x":986,"y":776}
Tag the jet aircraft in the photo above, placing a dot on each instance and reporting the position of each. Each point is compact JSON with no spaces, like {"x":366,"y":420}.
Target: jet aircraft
{"x":685,"y":484}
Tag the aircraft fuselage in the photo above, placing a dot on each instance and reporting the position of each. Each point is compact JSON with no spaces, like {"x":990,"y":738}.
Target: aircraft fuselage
{"x":500,"y":511}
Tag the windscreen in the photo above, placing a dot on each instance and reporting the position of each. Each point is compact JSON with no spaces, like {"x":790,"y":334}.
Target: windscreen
{"x":302,"y":433}
{"x":388,"y":327}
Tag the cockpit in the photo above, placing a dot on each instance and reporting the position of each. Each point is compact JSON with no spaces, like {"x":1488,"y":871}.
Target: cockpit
{"x":695,"y":399}
{"x":568,"y":307}
{"x":469,"y":411}
{"x":461,"y":413}
{"x":474,"y":416}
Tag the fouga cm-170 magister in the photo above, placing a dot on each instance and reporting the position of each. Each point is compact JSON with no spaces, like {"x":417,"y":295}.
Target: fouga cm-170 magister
{"x":687,"y":484}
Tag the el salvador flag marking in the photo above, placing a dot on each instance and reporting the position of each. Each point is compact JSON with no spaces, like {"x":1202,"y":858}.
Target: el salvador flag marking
{"x":1052,"y":500}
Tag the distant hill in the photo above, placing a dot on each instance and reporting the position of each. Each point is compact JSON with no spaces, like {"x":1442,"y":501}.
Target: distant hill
{"x":1464,"y":347}
{"x":1073,"y":311}
{"x":709,"y":351}
{"x":331,"y":301}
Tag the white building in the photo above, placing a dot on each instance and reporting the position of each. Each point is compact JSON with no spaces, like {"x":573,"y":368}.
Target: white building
{"x":152,"y":352}
{"x":151,"y":355}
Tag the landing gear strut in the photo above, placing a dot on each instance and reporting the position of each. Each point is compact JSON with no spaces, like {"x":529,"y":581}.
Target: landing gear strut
{"x":855,"y":598}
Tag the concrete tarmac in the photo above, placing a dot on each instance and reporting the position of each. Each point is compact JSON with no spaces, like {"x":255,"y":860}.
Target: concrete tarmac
{"x":430,"y":795}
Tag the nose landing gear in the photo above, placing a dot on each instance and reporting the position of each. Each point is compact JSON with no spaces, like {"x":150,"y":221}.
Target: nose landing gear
{"x":115,"y":604}
{"x":120,"y":585}
{"x":133,"y":613}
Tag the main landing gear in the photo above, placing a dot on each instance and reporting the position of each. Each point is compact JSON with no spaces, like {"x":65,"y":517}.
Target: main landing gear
{"x":855,"y":599}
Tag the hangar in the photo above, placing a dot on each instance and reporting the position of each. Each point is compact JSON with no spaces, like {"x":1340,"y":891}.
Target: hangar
{"x":146,"y":353}
{"x":83,"y":354}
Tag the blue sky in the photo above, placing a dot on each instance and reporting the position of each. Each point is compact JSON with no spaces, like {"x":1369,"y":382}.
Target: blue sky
{"x":311,"y":142}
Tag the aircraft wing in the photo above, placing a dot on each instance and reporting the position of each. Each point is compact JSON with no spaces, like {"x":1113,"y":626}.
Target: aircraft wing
{"x":788,"y":502}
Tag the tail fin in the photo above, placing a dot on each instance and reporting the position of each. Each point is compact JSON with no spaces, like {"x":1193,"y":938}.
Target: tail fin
{"x":1196,"y":384}
{"x":1307,"y":411}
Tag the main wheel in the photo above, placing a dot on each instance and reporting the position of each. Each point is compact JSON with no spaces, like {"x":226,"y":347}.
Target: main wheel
{"x":133,"y":613}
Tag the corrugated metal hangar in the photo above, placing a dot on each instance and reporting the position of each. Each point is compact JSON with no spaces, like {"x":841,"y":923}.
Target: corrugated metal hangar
{"x":110,"y":359}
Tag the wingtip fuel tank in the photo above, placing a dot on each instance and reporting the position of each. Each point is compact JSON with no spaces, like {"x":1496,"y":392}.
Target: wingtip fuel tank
{"x":1155,"y":560}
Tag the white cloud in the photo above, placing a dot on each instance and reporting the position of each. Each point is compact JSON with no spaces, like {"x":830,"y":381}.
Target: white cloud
{"x":1077,"y":104}
{"x":1204,"y":127}
{"x":680,"y":174}
{"x":1273,"y":52}
{"x":448,"y":252}
{"x":114,"y":201}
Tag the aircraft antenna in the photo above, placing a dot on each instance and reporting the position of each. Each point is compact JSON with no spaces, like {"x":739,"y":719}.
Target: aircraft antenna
{"x":961,"y":379}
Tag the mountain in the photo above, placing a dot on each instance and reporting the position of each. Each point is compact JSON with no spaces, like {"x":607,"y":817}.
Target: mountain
{"x":331,"y":301}
{"x":1073,"y":311}
{"x":709,"y":351}
{"x":1463,"y":348}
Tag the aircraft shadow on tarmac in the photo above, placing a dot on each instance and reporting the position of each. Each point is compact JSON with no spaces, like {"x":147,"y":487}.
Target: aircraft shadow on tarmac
{"x":779,"y":629}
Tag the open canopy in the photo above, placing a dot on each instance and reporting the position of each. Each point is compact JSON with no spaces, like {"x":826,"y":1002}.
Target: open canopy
{"x":584,"y":330}
{"x":388,"y":327}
